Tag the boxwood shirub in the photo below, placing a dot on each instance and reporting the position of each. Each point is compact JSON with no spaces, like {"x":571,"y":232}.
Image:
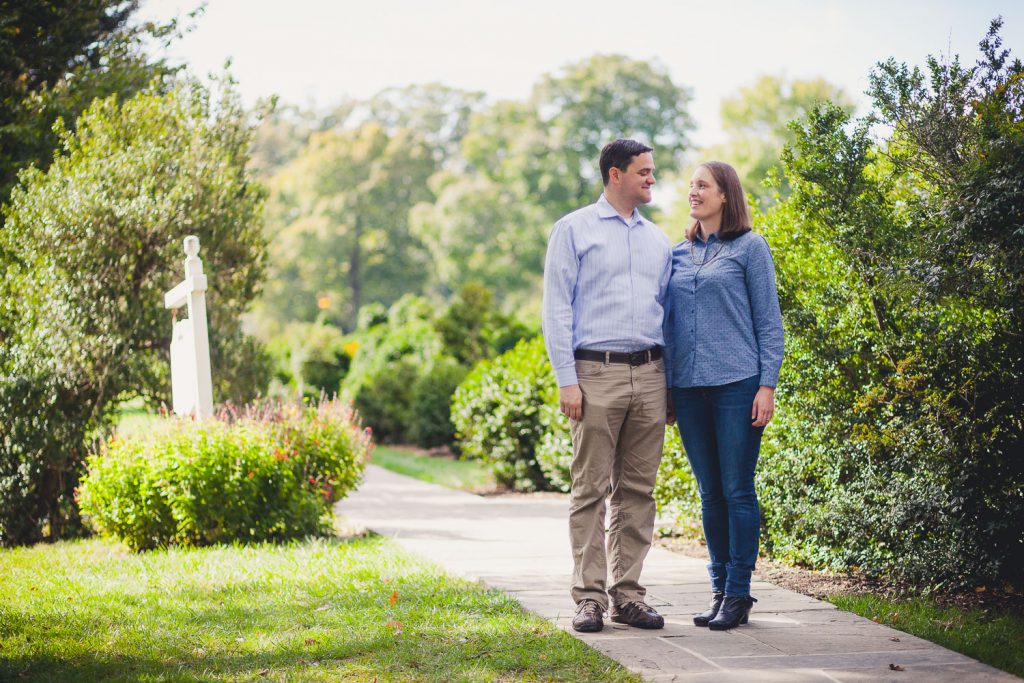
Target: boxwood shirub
{"x":266,"y":473}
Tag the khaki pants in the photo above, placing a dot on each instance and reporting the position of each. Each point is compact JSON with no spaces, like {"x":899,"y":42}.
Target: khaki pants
{"x":616,"y":452}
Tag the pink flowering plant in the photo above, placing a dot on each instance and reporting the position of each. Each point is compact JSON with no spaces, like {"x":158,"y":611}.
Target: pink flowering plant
{"x":269,"y":472}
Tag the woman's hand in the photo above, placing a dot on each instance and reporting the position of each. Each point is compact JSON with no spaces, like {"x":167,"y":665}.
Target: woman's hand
{"x":764,"y":406}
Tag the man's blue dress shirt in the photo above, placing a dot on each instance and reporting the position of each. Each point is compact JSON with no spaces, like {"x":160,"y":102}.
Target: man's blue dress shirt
{"x":723,"y":322}
{"x":605,"y":281}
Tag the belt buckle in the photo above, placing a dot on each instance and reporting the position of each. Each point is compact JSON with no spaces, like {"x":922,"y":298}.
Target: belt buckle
{"x":636,"y":358}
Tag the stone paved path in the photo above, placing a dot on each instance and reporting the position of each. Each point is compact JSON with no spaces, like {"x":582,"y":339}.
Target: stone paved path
{"x":520,"y":546}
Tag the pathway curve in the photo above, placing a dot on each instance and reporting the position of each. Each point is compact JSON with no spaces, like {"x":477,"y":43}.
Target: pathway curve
{"x":520,"y":545}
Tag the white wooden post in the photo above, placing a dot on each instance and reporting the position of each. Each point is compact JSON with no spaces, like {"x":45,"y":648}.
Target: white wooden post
{"x":191,"y":383}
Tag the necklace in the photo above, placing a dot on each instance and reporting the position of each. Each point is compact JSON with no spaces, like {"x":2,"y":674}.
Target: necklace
{"x":705,"y":260}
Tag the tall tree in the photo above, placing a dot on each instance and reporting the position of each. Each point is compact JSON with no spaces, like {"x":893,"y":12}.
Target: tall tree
{"x":548,"y":147}
{"x":55,"y":58}
{"x":93,"y":243}
{"x":757,"y":118}
{"x":343,"y":210}
{"x":479,"y":230}
{"x":438,"y":113}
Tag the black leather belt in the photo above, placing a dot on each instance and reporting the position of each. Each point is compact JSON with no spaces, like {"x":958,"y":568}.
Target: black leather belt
{"x":635,"y":358}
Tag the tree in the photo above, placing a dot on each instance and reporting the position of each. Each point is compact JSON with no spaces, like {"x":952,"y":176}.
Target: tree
{"x":55,"y":58}
{"x":90,"y":247}
{"x":341,"y":216}
{"x":901,"y":272}
{"x":547,"y":149}
{"x":438,"y":113}
{"x":478,"y":230}
{"x":757,"y":118}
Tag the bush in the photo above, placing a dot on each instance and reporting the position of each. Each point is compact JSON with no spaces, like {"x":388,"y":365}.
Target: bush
{"x":497,"y":414}
{"x":86,"y":253}
{"x":901,"y":271}
{"x":386,"y":398}
{"x":310,"y":359}
{"x":554,"y":452}
{"x":390,"y":358}
{"x":270,"y":473}
{"x":675,"y":489}
{"x":430,"y":416}
{"x":410,"y":361}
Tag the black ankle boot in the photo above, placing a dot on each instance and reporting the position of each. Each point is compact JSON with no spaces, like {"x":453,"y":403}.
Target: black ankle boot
{"x":734,"y":611}
{"x":706,"y":616}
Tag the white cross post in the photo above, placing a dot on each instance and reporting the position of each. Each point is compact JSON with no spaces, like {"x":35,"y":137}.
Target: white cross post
{"x":191,"y":383}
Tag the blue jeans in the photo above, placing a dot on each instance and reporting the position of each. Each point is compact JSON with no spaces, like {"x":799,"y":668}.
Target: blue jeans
{"x":722,"y":447}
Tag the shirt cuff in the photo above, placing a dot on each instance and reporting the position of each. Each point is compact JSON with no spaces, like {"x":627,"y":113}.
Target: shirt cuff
{"x":566,"y":376}
{"x":769,"y":378}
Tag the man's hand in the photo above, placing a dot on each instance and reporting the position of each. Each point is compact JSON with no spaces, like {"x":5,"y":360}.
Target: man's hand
{"x":764,"y":406}
{"x":570,"y":400}
{"x":670,"y":409}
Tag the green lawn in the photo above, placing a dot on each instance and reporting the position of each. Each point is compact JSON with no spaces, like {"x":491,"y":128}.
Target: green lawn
{"x":320,"y":610}
{"x":991,"y":636}
{"x":467,"y":475}
{"x":134,"y":418}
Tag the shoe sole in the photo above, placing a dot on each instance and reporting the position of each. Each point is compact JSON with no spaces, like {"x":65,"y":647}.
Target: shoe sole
{"x":655,"y":626}
{"x":715,"y":627}
{"x":587,"y":629}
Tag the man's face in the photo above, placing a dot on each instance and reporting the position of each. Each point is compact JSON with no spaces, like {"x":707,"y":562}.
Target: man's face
{"x":636,"y":181}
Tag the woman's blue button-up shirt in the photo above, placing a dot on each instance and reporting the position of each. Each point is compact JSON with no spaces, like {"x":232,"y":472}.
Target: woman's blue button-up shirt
{"x":723,"y":322}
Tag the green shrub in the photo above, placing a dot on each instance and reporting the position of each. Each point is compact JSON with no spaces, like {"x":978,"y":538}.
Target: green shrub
{"x":385,"y":400}
{"x":410,"y":361}
{"x":269,"y":473}
{"x":390,"y":356}
{"x":311,"y":358}
{"x":430,"y":418}
{"x":87,"y":250}
{"x":675,"y":490}
{"x":897,"y":447}
{"x":554,"y":452}
{"x":497,"y":414}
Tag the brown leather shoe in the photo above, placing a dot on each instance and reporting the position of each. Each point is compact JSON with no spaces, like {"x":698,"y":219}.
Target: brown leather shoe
{"x":589,"y":616}
{"x":638,"y":614}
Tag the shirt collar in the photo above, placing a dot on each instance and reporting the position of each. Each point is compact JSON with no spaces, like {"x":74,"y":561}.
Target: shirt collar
{"x":606,"y":210}
{"x":712,"y":238}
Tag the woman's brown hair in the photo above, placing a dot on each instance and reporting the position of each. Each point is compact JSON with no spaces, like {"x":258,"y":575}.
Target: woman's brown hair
{"x":735,"y":213}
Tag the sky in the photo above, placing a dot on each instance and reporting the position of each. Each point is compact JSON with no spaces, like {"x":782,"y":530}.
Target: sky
{"x":315,"y":53}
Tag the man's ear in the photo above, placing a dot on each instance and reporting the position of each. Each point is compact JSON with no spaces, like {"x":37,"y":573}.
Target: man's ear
{"x":614,"y":174}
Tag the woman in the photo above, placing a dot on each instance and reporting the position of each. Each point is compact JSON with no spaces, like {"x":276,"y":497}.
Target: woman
{"x":723,"y":353}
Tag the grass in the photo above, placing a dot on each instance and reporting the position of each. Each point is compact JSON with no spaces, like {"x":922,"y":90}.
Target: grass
{"x":134,"y":417}
{"x":991,"y":636}
{"x":466,"y":475}
{"x":321,"y":610}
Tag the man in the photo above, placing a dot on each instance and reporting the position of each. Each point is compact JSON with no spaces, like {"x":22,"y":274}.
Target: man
{"x":605,"y":280}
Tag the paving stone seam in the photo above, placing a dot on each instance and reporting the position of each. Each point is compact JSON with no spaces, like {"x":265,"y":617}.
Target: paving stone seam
{"x":693,"y":654}
{"x":894,"y":653}
{"x":427,"y":525}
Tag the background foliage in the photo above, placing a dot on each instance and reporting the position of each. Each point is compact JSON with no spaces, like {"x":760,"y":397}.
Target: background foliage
{"x":271,"y":473}
{"x":900,"y":272}
{"x":89,"y":248}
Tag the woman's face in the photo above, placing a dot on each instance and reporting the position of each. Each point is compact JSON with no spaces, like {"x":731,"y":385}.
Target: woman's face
{"x":706,"y":198}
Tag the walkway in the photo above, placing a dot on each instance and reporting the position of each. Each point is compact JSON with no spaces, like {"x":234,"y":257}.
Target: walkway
{"x":520,"y":545}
